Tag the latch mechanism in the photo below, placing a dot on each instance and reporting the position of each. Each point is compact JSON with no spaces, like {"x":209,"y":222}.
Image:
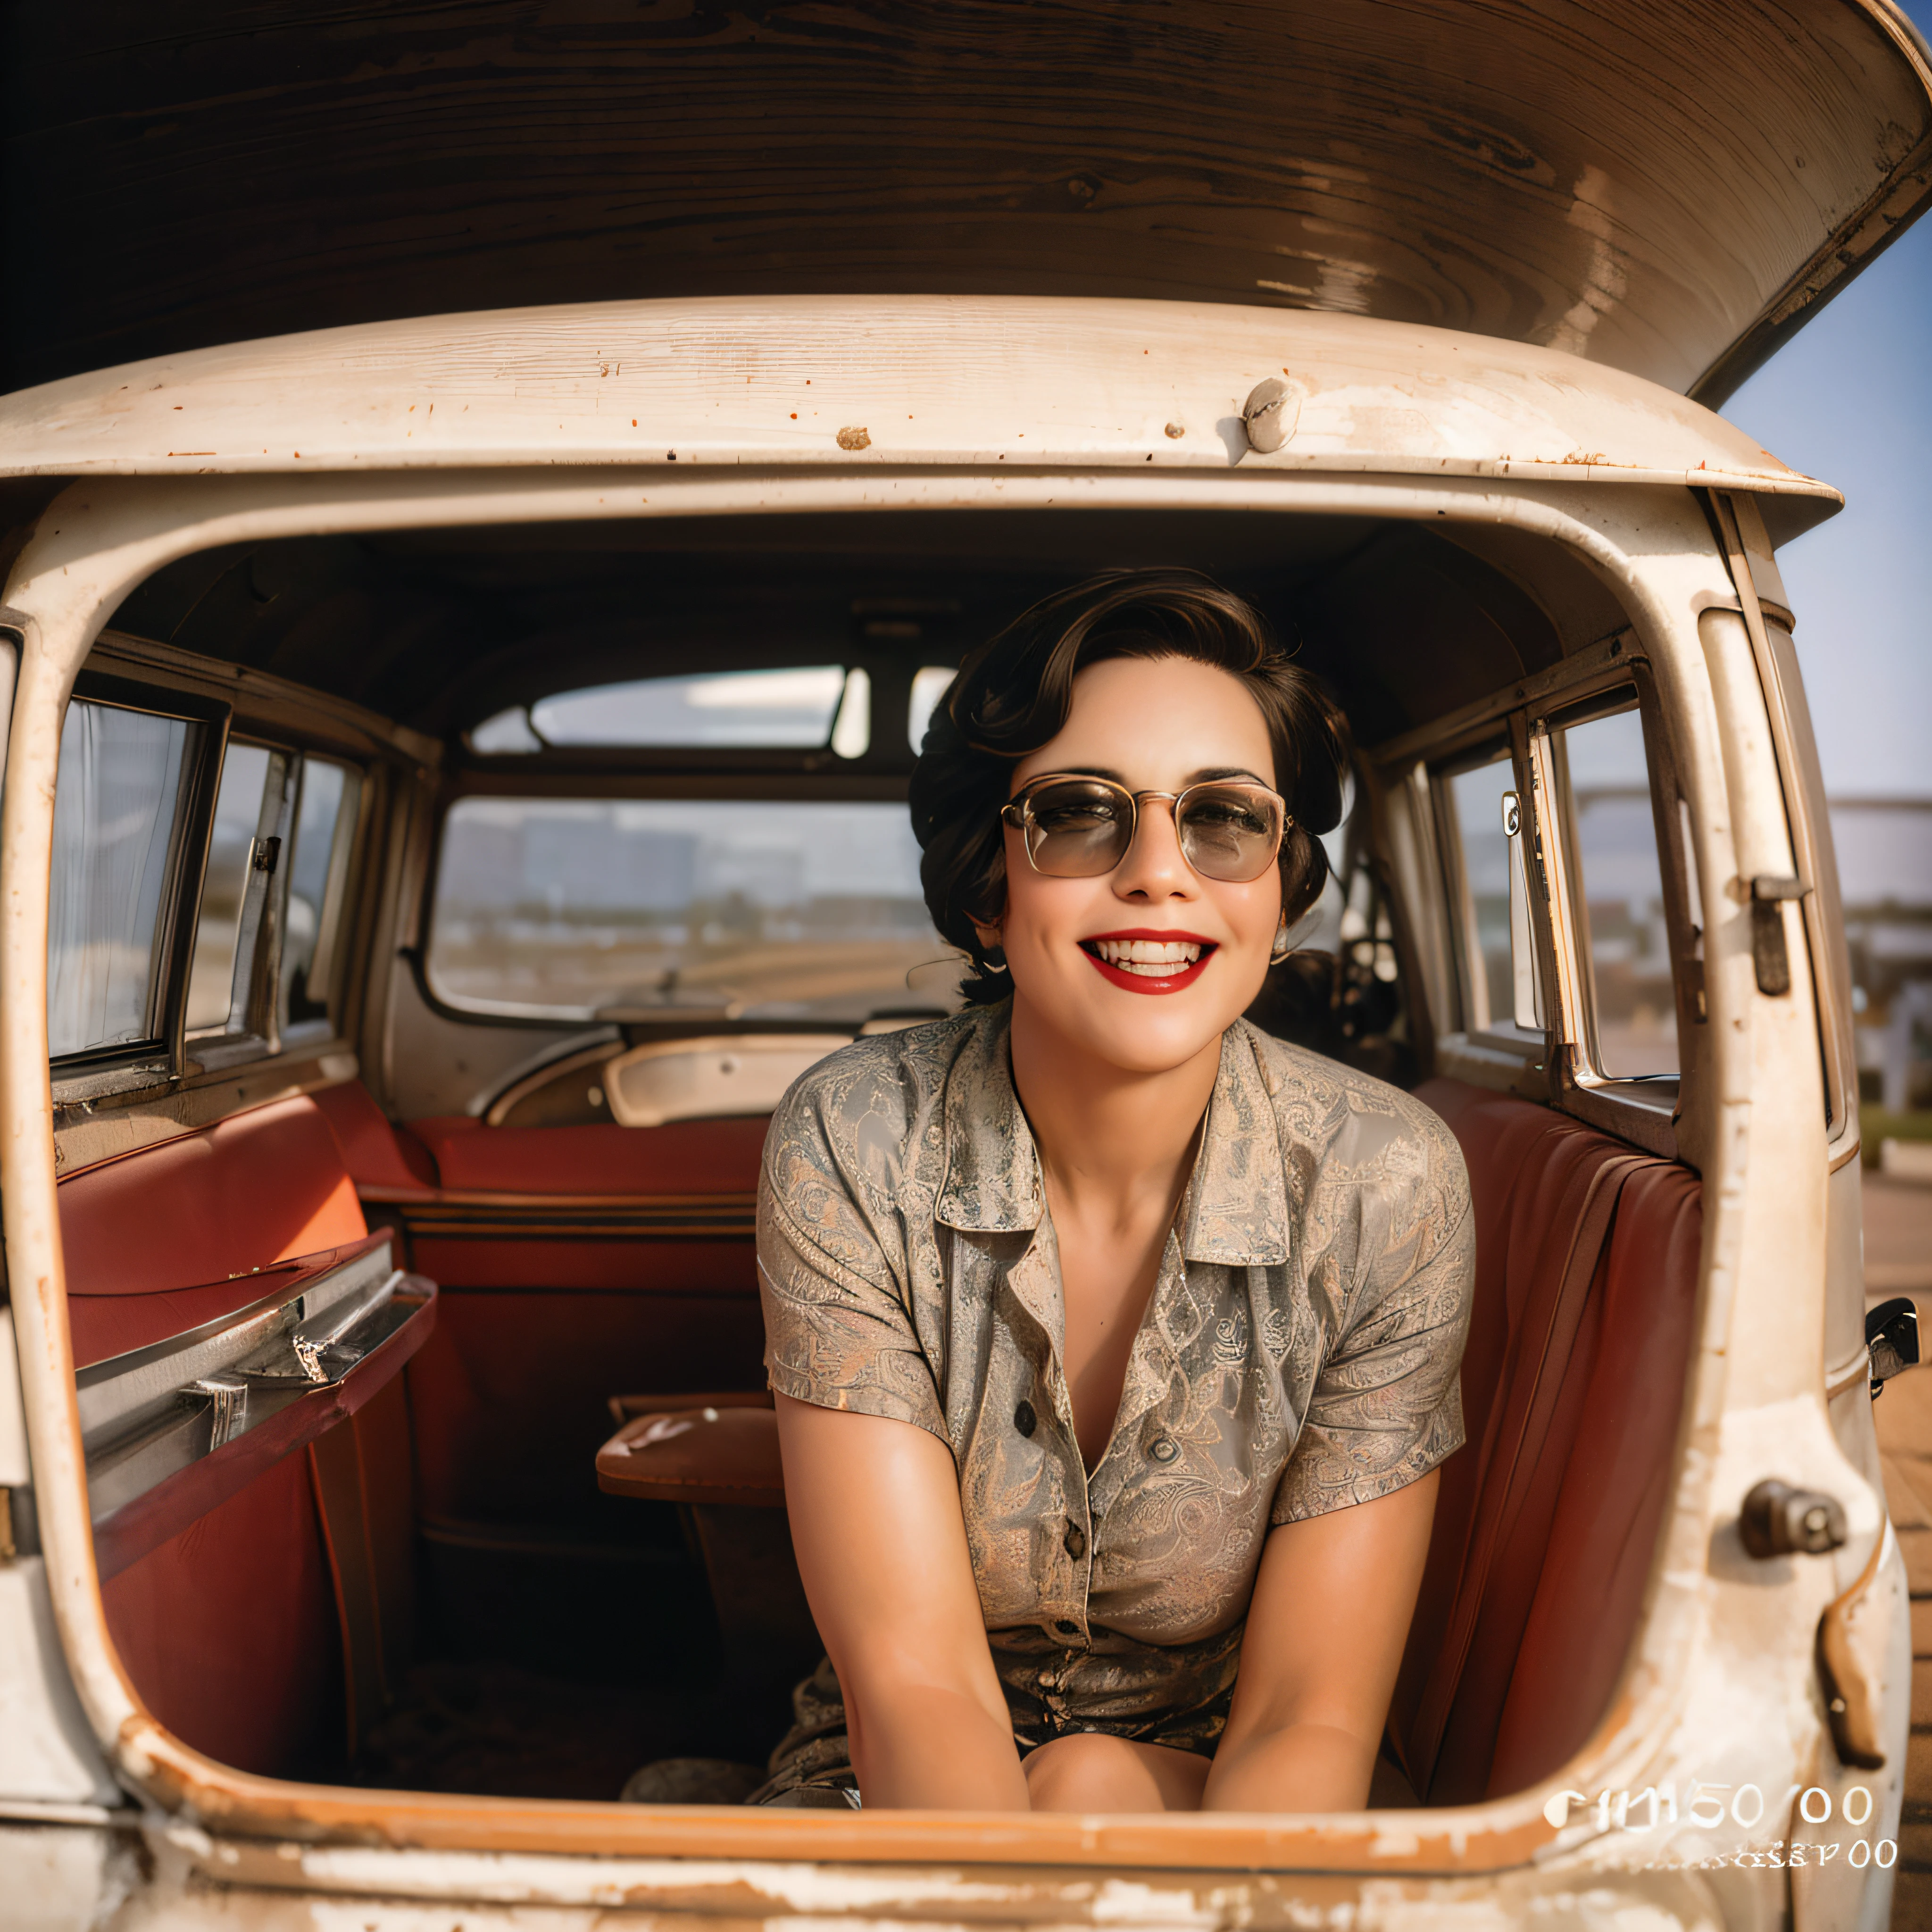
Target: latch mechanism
{"x":1777,"y":1520}
{"x":20,"y":1527}
{"x":1769,"y":955}
{"x":1892,"y":1335}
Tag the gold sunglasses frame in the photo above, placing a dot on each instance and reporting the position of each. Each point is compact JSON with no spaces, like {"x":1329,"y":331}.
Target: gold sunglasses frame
{"x":1017,"y":813}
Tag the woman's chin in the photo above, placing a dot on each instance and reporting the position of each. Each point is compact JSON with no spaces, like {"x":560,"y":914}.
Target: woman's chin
{"x":1134,"y":1032}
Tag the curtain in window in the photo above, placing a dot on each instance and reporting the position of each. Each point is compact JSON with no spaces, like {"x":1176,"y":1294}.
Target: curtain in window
{"x":114,"y":817}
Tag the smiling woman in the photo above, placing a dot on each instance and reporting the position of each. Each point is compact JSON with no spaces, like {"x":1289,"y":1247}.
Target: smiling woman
{"x":1109,"y":1449}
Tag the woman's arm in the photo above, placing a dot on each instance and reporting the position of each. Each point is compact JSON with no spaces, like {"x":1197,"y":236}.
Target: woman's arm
{"x":881,"y":1545}
{"x":1331,"y":1614}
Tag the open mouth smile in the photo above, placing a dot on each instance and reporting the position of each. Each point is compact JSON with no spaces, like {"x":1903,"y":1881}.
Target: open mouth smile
{"x":1145,"y":962}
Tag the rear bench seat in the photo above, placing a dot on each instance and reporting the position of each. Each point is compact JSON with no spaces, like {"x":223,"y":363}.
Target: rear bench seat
{"x":1573,"y":1385}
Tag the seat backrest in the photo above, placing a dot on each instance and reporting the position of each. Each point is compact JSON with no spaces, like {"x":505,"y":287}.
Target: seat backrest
{"x":1540,"y":1182}
{"x":163,"y":1239}
{"x":231,"y":1630}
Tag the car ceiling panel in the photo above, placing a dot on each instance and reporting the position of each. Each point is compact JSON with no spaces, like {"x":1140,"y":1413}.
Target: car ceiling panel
{"x":1663,"y":188}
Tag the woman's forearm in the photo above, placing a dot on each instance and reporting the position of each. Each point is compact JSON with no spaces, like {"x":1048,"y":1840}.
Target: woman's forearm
{"x":1298,"y":1768}
{"x":921,"y":1747}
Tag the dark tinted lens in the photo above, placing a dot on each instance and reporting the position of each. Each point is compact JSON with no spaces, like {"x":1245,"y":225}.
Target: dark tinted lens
{"x":1080,"y":828}
{"x":1229,"y":832}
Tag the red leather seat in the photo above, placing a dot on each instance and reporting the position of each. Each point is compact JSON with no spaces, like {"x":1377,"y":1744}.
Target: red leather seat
{"x":1538,"y":1564}
{"x":160,"y":1241}
{"x":231,"y":1630}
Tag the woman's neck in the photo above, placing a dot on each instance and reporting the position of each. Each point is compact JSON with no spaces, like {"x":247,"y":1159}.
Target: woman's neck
{"x":1113,"y":1142}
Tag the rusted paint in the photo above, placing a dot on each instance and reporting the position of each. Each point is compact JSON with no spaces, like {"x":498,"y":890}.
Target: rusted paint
{"x":1478,"y":1839}
{"x":1090,"y":384}
{"x":1718,"y":1668}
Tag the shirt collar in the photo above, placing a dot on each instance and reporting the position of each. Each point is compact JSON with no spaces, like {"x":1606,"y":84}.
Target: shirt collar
{"x":1235,"y":1211}
{"x":992,"y":1184}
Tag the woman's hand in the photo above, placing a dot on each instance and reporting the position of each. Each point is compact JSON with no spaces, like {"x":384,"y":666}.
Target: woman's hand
{"x":881,"y":1545}
{"x":1324,"y":1639}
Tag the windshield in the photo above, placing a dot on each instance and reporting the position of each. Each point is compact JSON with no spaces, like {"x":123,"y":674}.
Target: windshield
{"x":777,"y":909}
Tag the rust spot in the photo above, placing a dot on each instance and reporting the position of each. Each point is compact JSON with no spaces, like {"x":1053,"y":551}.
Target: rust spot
{"x":855,"y":438}
{"x":1177,"y":431}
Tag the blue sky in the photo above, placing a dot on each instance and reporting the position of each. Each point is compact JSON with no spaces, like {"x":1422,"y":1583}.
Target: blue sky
{"x":1850,"y":399}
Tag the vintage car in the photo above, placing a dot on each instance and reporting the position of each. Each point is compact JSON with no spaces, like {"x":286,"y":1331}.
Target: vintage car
{"x":455,"y":783}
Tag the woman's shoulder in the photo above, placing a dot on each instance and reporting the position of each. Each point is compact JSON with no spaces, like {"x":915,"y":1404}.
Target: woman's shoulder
{"x":869,"y":1097}
{"x":1354,"y":1129}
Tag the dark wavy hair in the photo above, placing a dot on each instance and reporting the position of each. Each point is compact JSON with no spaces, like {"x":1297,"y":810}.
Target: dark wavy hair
{"x":1014,"y":693}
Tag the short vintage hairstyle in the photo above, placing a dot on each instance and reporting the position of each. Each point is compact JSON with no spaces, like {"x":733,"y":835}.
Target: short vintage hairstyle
{"x":1014,"y":693}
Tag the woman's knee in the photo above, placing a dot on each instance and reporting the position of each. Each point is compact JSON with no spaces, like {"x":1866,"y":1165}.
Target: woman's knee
{"x":1089,"y":1771}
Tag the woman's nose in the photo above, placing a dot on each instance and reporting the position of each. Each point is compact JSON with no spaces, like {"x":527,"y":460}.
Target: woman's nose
{"x":1154,"y":867}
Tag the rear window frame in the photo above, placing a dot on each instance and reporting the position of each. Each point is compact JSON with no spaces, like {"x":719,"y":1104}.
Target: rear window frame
{"x":162,"y":1069}
{"x":1569,"y":900}
{"x":146,"y":1062}
{"x":597,"y":778}
{"x":1561,"y":1064}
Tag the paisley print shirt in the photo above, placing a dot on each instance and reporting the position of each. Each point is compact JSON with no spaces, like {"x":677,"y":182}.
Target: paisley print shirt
{"x":1298,"y":1354}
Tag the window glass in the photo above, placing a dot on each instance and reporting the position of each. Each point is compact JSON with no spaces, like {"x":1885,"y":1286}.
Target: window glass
{"x":852,"y":729}
{"x":778,"y":909}
{"x":1614,"y":836}
{"x":325,"y":823}
{"x":1490,"y":830}
{"x":929,"y":687}
{"x":224,"y":893}
{"x":793,"y":706}
{"x":116,"y":805}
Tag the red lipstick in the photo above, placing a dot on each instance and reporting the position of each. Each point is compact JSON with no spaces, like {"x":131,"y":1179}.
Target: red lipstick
{"x":1182,"y":977}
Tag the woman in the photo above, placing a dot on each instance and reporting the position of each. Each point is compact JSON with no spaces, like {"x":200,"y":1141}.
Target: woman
{"x":1114,"y":1343}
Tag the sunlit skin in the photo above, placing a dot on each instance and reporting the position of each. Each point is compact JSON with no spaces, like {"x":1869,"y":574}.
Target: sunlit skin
{"x":1115,"y":1081}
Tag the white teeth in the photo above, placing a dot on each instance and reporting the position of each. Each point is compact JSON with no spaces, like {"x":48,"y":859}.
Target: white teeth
{"x":1148,"y":958}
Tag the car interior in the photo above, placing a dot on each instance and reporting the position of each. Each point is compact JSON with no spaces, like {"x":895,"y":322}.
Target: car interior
{"x":438,"y":917}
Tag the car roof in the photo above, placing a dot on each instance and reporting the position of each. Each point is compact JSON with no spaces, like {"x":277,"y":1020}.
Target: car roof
{"x":1662,"y":188}
{"x":889,"y":382}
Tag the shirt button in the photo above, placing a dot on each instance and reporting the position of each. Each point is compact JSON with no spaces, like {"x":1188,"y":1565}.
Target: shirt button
{"x":1067,"y":1628}
{"x":1024,"y":1420}
{"x":1163,"y":1449}
{"x":1076,"y":1541}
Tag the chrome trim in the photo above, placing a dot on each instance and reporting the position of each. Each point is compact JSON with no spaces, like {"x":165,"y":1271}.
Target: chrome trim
{"x":147,"y":1414}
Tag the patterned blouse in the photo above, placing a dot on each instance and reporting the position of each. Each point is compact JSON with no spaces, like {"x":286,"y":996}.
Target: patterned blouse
{"x":1298,"y":1354}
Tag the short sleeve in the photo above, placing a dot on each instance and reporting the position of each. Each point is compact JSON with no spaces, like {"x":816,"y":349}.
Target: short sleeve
{"x":1387,"y":1406}
{"x":837,"y":1332}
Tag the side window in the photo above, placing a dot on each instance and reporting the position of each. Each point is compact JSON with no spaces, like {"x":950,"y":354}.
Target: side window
{"x":121,"y":798}
{"x":1617,"y":881}
{"x":243,"y":853}
{"x":327,"y":798}
{"x":929,"y":684}
{"x":1486,"y":828}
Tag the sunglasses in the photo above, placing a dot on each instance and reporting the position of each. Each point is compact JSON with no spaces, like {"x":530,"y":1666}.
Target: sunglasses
{"x":1079,"y":828}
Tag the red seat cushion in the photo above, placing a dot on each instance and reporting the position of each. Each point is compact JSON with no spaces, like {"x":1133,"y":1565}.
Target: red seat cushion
{"x":1531,"y":1173}
{"x":376,"y":1152}
{"x":208,"y":1212}
{"x":693,"y":1157}
{"x":1610,"y":1513}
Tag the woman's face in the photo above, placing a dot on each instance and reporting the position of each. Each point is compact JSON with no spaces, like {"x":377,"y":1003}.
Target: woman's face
{"x":1151,"y":724}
